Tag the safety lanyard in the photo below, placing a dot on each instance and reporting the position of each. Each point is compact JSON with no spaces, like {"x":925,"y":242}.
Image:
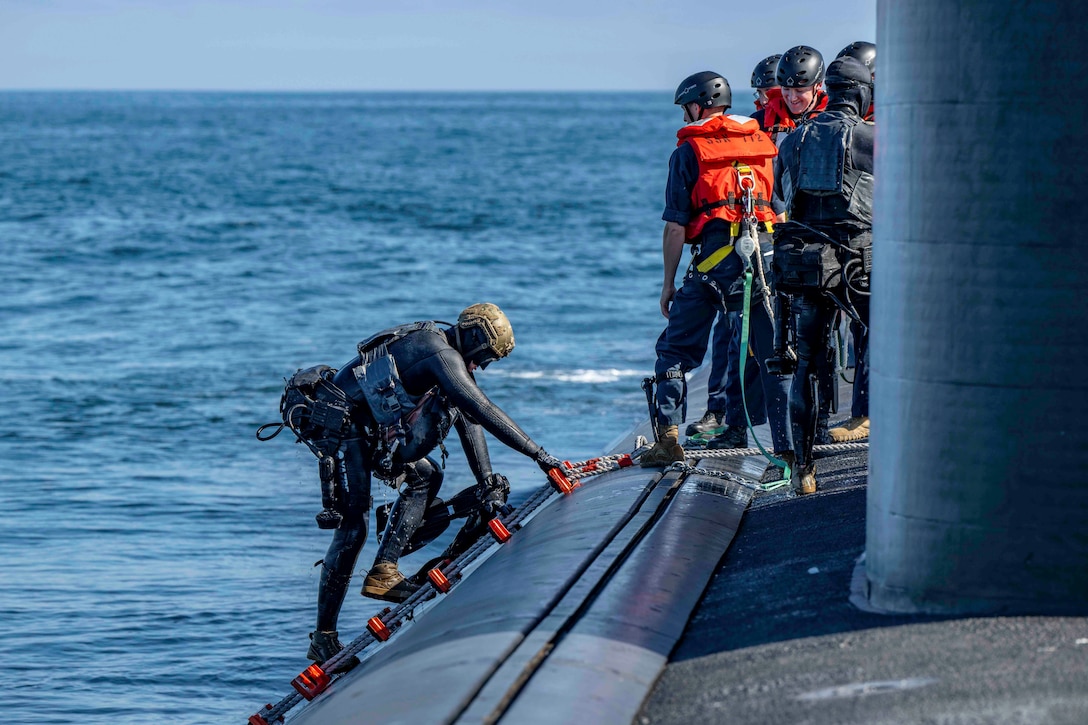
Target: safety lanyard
{"x":746,"y":246}
{"x":746,"y":242}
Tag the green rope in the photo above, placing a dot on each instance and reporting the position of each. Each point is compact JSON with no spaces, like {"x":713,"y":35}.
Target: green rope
{"x":786,"y":472}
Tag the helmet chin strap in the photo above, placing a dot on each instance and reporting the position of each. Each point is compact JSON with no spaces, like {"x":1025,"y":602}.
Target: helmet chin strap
{"x":460,"y":345}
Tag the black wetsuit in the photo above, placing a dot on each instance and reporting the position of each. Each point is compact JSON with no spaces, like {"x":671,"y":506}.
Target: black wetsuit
{"x":845,"y":216}
{"x":828,"y":383}
{"x":425,"y":359}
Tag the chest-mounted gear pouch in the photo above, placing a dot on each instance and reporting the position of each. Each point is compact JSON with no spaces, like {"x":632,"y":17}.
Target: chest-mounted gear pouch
{"x":802,"y":261}
{"x":394,"y":412}
{"x":380,"y":384}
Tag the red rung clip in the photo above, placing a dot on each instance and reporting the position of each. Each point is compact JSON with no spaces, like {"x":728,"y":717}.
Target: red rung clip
{"x":439,"y":580}
{"x":568,"y":464}
{"x":311,"y":682}
{"x":378,"y":629}
{"x":559,"y":481}
{"x":259,"y":718}
{"x":625,"y":460}
{"x":589,"y":467}
{"x":499,"y":531}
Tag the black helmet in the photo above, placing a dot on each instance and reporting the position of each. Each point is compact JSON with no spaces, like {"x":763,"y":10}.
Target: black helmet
{"x":707,"y":88}
{"x":800,"y":67}
{"x":848,"y":72}
{"x":849,"y":82}
{"x":863,"y":51}
{"x":763,"y":75}
{"x":483,"y":334}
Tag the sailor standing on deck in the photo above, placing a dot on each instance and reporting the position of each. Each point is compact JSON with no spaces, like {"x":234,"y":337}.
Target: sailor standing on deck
{"x":703,"y":208}
{"x":724,"y":421}
{"x":857,"y":427}
{"x":765,"y":82}
{"x":384,"y":412}
{"x":800,"y":75}
{"x":824,"y":173}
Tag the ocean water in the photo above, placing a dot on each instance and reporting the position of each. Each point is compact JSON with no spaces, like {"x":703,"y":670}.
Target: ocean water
{"x":170,"y":258}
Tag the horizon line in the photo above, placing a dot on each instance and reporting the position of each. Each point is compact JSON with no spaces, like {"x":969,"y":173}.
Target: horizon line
{"x":521,"y":91}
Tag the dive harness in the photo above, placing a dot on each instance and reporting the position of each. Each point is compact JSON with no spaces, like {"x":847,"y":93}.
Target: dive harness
{"x":319,"y":412}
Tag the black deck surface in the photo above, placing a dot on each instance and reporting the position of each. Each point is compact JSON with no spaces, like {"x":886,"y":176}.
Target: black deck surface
{"x":775,"y":639}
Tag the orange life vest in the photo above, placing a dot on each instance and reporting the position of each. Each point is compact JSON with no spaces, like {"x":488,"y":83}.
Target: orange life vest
{"x":777,"y":120}
{"x":726,"y":147}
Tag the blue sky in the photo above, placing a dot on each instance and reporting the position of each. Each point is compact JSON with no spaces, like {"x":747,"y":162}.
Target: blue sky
{"x":418,"y":45}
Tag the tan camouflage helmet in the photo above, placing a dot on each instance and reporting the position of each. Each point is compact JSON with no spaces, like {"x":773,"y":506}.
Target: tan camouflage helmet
{"x":484,"y":334}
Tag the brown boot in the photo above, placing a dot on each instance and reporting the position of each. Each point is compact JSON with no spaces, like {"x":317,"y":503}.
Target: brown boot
{"x":323,"y":645}
{"x":805,"y":480}
{"x":855,"y":429}
{"x":666,"y":450}
{"x":386,"y":583}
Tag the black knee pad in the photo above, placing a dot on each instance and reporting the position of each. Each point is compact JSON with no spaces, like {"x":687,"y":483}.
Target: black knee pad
{"x":422,"y":476}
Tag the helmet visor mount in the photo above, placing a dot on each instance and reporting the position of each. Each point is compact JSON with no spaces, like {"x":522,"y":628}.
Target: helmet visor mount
{"x":484,"y":361}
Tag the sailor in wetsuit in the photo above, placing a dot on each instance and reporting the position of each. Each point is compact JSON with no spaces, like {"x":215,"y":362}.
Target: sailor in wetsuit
{"x":866,"y":53}
{"x":824,"y":174}
{"x":402,"y":394}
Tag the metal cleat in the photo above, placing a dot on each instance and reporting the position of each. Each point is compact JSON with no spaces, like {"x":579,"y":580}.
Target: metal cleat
{"x":499,"y":531}
{"x":311,"y":682}
{"x":560,"y":482}
{"x":439,"y":580}
{"x":378,"y":629}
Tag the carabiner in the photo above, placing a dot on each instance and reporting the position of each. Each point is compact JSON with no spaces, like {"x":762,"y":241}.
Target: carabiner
{"x":747,"y":181}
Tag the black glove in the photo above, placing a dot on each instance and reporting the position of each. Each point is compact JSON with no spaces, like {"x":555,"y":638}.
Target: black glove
{"x":492,"y":494}
{"x":547,"y":462}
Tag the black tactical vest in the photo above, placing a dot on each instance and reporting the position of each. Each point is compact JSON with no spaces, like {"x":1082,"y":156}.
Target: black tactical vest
{"x":402,"y":428}
{"x":819,"y":180}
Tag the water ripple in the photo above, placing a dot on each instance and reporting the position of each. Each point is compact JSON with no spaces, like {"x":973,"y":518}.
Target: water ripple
{"x":172,"y":257}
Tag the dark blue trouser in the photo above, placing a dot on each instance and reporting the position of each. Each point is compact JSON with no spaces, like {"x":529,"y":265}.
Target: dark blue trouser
{"x":682,"y":346}
{"x":725,"y":396}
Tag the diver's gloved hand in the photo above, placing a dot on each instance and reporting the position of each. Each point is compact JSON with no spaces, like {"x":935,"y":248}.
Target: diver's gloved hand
{"x":492,"y":494}
{"x":547,"y":462}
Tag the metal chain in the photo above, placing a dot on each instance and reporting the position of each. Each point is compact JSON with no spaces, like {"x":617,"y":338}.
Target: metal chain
{"x":743,"y":452}
{"x":713,"y":473}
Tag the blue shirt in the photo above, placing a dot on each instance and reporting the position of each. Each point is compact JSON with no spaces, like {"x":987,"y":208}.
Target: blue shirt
{"x":683,"y":173}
